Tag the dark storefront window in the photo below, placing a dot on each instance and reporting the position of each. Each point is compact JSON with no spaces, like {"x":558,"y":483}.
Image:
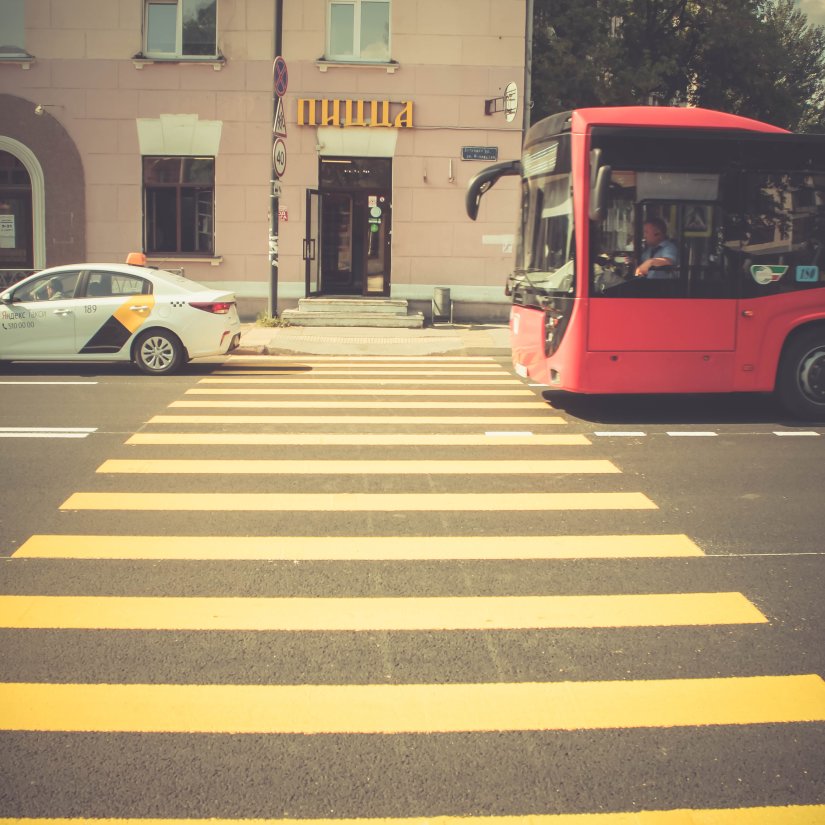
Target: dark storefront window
{"x":179,"y":196}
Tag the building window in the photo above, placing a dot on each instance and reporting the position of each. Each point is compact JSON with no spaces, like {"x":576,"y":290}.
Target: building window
{"x":179,"y":205}
{"x":359,"y":30}
{"x":12,"y":30}
{"x":181,"y":28}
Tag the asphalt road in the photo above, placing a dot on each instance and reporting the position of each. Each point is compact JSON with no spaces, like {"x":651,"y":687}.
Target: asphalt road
{"x":321,"y":638}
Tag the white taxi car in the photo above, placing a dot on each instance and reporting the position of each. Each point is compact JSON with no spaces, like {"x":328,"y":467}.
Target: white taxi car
{"x":116,"y":312}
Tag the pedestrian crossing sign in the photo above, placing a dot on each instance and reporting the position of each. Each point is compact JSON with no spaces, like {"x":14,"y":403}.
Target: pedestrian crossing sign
{"x":279,"y":125}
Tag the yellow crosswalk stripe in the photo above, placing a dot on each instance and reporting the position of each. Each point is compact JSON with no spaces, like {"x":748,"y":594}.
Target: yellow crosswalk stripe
{"x":228,"y":466}
{"x":362,"y":439}
{"x":357,"y":502}
{"x":356,"y":373}
{"x":333,"y":418}
{"x":411,"y":708}
{"x":351,"y":548}
{"x":769,"y":815}
{"x":337,"y":404}
{"x":352,"y":363}
{"x":376,"y":613}
{"x":446,"y":393}
{"x":306,"y":378}
{"x":401,"y":362}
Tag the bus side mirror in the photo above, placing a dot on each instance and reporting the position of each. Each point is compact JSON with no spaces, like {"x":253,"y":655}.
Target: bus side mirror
{"x":484,"y":180}
{"x":598,"y":194}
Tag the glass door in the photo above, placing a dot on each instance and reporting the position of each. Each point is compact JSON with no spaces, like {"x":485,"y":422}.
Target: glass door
{"x":339,"y":246}
{"x":355,"y":225}
{"x":377,"y":244}
{"x":312,"y":260}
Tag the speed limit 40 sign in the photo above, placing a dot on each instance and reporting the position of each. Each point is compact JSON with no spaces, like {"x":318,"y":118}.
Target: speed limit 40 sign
{"x":279,"y":157}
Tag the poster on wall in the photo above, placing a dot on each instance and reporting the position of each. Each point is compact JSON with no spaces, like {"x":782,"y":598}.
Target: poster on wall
{"x":6,"y":231}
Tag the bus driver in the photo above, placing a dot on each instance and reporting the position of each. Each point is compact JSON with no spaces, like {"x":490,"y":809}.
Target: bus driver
{"x":659,"y":252}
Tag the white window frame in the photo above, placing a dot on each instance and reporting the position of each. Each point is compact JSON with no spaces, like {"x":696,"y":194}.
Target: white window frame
{"x":177,"y":54}
{"x":13,"y":24}
{"x":356,"y":57}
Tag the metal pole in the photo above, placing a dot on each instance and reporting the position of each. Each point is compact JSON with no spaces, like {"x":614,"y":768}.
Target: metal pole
{"x":273,"y":200}
{"x":528,"y":69}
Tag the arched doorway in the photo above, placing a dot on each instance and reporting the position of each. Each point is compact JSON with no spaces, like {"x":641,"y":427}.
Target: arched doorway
{"x":48,"y":154}
{"x":16,"y":225}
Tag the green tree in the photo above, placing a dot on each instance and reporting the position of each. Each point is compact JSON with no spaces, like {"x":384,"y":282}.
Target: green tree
{"x":760,"y":58}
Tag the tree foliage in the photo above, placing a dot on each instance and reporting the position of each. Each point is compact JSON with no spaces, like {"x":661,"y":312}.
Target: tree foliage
{"x":759,"y":58}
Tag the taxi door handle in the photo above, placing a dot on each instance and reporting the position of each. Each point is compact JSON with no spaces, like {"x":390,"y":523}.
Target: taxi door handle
{"x":143,"y":308}
{"x":62,"y":312}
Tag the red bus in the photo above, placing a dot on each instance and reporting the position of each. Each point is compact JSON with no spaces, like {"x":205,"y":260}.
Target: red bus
{"x":732,"y":299}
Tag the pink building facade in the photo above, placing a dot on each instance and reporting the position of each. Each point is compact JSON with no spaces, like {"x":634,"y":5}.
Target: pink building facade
{"x":156,"y":126}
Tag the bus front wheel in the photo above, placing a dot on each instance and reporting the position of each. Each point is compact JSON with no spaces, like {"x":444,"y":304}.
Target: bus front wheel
{"x":800,"y":383}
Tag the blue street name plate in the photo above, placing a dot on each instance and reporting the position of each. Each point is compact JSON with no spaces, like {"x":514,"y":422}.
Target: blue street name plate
{"x":479,"y":152}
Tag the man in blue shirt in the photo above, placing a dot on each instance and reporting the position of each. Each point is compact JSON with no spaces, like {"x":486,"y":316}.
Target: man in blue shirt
{"x":659,"y":252}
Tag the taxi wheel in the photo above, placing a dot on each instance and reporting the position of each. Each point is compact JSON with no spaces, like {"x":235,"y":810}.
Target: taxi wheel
{"x":158,"y":352}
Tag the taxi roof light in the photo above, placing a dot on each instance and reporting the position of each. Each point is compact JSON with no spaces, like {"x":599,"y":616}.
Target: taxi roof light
{"x":136,"y":259}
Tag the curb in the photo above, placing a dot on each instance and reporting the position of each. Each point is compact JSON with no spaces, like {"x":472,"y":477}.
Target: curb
{"x":486,"y":340}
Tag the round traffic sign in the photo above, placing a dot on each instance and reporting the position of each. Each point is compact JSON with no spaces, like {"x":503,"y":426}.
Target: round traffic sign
{"x":280,"y":76}
{"x":279,"y":157}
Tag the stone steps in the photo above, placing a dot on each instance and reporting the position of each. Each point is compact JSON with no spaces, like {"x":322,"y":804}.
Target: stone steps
{"x":353,"y":312}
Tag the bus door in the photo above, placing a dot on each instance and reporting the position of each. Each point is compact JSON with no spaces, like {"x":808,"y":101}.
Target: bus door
{"x":673,"y":329}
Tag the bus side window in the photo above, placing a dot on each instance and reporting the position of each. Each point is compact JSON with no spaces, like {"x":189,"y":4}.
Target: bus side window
{"x":779,"y":233}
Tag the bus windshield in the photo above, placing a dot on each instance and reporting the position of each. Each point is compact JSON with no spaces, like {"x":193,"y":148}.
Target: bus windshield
{"x":544,"y":256}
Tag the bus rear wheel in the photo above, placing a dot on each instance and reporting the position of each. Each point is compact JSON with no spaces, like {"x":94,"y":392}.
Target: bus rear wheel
{"x":800,"y":384}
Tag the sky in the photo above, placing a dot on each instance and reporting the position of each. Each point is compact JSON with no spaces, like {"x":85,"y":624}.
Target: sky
{"x":815,"y":9}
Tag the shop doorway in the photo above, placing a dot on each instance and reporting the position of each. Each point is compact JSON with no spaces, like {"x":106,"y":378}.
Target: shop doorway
{"x":16,"y":238}
{"x":349,"y":228}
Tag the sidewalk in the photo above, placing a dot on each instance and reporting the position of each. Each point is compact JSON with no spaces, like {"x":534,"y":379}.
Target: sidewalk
{"x":442,"y":339}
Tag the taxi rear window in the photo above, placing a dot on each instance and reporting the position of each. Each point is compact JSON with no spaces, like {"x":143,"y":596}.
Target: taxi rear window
{"x":113,"y":284}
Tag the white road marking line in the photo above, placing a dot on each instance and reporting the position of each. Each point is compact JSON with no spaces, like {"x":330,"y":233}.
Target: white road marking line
{"x":53,"y":383}
{"x":46,"y":432}
{"x":795,"y":433}
{"x":43,"y":435}
{"x":48,"y":429}
{"x":697,"y":434}
{"x":620,"y":433}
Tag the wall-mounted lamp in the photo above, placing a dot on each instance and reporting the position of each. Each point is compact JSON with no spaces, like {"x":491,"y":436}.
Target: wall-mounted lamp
{"x":40,"y":108}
